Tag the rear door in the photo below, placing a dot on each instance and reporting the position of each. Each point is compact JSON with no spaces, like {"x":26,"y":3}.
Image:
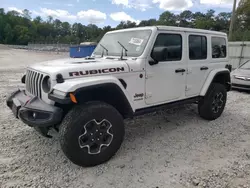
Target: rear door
{"x":198,"y":62}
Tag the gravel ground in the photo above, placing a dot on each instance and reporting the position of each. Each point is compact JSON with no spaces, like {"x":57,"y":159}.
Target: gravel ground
{"x":167,"y":149}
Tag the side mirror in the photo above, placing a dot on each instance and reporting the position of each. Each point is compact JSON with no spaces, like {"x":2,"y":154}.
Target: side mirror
{"x":153,"y":62}
{"x":158,"y":54}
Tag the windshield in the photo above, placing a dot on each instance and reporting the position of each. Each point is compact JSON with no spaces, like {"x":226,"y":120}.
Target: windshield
{"x":245,"y":65}
{"x":134,"y":41}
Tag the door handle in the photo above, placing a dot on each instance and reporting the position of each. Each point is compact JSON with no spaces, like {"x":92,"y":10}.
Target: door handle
{"x":204,"y":68}
{"x":180,"y":70}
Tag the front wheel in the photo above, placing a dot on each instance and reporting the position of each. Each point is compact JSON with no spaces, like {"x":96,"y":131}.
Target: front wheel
{"x":91,"y":134}
{"x":213,"y":104}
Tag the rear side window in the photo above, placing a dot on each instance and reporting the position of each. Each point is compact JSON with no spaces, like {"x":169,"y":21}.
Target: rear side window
{"x":219,"y":48}
{"x":197,"y":47}
{"x":173,"y":43}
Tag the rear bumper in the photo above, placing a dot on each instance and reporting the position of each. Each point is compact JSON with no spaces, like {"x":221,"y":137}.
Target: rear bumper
{"x":33,"y":111}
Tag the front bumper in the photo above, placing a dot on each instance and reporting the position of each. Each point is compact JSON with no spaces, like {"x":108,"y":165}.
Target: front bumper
{"x":33,"y":111}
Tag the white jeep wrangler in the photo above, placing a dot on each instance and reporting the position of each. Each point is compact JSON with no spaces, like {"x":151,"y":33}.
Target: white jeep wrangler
{"x":131,"y":72}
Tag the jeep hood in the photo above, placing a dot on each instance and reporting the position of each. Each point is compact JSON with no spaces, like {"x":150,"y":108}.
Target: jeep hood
{"x":80,"y":67}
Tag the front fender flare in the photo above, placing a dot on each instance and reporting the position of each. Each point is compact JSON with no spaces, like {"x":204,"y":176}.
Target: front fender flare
{"x":73,"y":85}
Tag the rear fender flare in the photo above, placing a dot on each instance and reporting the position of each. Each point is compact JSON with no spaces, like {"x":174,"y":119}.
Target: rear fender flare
{"x":210,"y":79}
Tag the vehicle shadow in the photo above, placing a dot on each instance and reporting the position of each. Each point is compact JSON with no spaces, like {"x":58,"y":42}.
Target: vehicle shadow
{"x":158,"y":126}
{"x":166,"y":133}
{"x":166,"y":117}
{"x":141,"y":131}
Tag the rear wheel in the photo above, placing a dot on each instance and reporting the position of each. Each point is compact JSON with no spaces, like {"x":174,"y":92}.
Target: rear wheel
{"x":213,"y":104}
{"x":91,"y":134}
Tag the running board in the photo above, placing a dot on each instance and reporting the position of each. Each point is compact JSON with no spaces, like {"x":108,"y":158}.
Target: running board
{"x":166,"y":106}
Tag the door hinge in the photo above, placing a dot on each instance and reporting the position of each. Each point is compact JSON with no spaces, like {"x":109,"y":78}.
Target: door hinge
{"x":148,"y":95}
{"x":149,"y":75}
{"x":189,"y":71}
{"x":187,"y":88}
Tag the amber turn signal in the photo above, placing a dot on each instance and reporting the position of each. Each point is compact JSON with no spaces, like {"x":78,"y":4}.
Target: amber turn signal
{"x":73,"y":98}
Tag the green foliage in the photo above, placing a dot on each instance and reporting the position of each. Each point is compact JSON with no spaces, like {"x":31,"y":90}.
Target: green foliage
{"x":22,"y":33}
{"x":242,"y":23}
{"x":20,"y":28}
{"x":167,"y":18}
{"x":149,"y":22}
{"x":8,"y":34}
{"x":27,"y":14}
{"x":243,"y":12}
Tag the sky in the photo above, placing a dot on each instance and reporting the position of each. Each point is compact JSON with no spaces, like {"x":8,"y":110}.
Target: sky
{"x":111,"y":12}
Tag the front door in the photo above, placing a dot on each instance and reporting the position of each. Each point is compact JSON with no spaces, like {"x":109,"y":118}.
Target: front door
{"x":165,"y":81}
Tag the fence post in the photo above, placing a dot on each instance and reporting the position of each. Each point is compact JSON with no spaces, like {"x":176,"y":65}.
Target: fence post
{"x":57,"y":48}
{"x":241,"y":53}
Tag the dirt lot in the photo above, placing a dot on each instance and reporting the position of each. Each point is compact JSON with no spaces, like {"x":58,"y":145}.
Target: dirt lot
{"x":168,"y":149}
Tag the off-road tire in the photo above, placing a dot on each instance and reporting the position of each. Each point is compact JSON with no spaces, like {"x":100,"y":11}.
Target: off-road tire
{"x":205,"y":105}
{"x":75,"y":121}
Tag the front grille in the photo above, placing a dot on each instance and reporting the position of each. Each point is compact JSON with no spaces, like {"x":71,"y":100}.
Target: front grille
{"x":34,"y":83}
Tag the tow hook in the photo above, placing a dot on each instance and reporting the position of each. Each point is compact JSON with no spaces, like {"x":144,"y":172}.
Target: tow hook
{"x":43,"y":131}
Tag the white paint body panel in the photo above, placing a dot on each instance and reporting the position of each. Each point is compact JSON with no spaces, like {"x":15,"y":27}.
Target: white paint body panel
{"x":64,"y":66}
{"x":163,"y":83}
{"x":158,"y":83}
{"x":197,"y":77}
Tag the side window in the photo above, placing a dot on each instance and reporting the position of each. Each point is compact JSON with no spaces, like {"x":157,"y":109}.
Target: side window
{"x":169,"y":47}
{"x":197,"y":47}
{"x":219,"y":49}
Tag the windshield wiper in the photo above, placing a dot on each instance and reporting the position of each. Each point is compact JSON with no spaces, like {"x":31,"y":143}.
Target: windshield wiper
{"x":122,"y":50}
{"x":104,"y":49}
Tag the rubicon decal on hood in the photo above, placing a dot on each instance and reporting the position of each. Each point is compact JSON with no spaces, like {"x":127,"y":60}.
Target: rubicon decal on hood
{"x":96,"y":71}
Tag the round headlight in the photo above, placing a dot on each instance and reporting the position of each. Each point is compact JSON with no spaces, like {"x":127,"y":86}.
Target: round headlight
{"x":46,"y":84}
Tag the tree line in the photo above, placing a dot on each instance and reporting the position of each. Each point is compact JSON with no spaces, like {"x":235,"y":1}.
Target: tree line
{"x":20,"y":28}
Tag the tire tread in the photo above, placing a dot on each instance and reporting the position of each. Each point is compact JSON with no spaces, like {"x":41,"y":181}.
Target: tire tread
{"x":67,"y":128}
{"x":204,"y":104}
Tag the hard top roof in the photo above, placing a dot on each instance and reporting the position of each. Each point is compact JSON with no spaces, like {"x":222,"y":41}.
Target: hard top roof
{"x":172,"y":28}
